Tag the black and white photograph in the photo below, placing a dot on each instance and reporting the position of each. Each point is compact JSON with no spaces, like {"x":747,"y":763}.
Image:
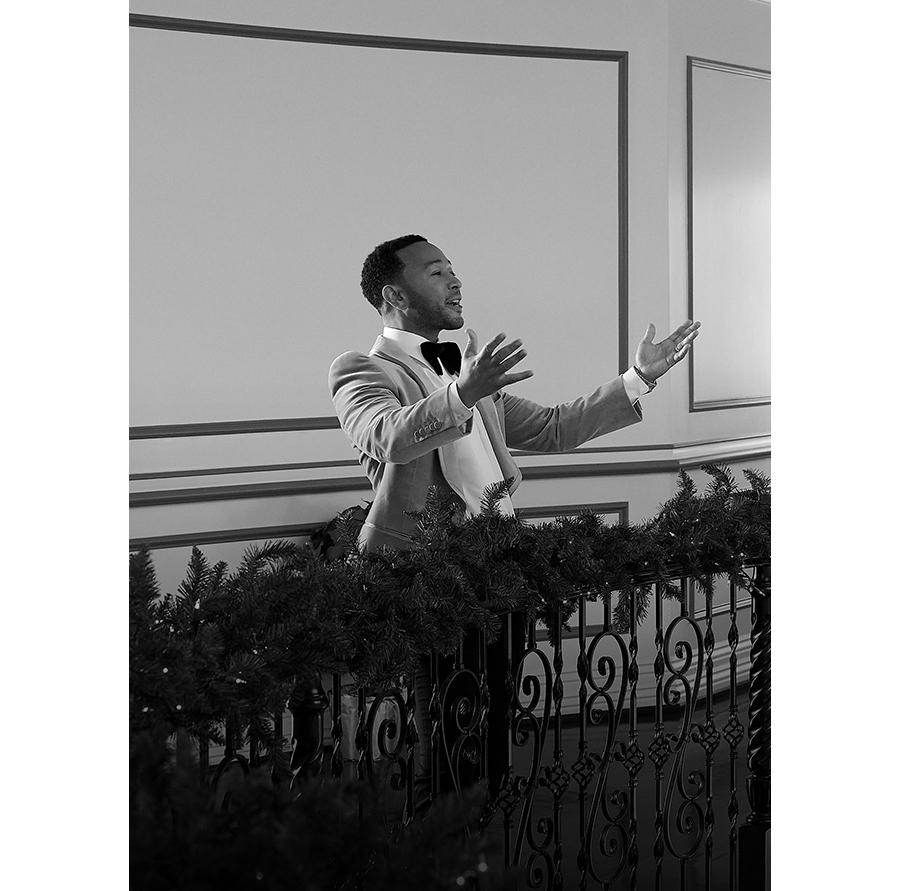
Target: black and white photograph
{"x":460,"y":347}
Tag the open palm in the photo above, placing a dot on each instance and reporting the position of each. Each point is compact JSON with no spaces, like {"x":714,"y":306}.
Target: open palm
{"x":655,"y":359}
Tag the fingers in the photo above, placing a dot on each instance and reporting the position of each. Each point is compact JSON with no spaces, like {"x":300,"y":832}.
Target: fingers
{"x":495,"y":359}
{"x":505,"y":355}
{"x":517,"y":376}
{"x":650,"y":333}
{"x":493,"y":343}
{"x":682,"y":331}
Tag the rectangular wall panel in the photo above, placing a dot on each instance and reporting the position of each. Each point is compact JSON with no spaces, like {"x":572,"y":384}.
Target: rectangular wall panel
{"x":729,"y":136}
{"x":264,"y":170}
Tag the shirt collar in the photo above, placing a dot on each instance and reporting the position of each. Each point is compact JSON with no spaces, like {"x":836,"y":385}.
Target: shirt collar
{"x":410,"y":343}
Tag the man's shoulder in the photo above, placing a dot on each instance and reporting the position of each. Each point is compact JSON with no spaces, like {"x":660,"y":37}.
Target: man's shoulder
{"x":353,"y":364}
{"x":350,"y":358}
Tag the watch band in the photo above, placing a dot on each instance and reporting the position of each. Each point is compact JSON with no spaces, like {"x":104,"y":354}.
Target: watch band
{"x":646,"y":380}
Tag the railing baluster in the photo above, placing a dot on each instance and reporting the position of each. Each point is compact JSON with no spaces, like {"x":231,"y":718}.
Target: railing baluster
{"x":659,"y":748}
{"x":584,"y":767}
{"x":734,"y":733}
{"x":337,"y":727}
{"x":633,"y":757}
{"x":412,"y":745}
{"x":307,"y":706}
{"x":556,"y":778}
{"x":709,"y":737}
{"x":753,"y":837}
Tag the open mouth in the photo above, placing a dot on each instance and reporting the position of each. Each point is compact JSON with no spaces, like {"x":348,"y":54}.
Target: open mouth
{"x":457,"y":303}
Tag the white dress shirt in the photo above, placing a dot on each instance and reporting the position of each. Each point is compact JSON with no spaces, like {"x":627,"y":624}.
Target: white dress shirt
{"x":474,"y":454}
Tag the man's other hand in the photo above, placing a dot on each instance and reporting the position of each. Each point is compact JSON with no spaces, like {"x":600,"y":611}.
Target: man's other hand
{"x":653,"y":360}
{"x":486,"y":371}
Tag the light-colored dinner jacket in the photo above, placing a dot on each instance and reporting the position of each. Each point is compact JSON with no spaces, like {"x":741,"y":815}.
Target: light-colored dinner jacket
{"x":400,"y":422}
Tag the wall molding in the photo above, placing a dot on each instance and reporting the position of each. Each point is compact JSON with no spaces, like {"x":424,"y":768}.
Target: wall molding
{"x":377,"y":41}
{"x":334,"y":38}
{"x":619,"y":508}
{"x":301,"y":530}
{"x":727,"y":68}
{"x":247,"y":468}
{"x":222,"y":536}
{"x":204,"y":494}
{"x":291,"y":488}
{"x":350,"y":462}
{"x":232,"y":428}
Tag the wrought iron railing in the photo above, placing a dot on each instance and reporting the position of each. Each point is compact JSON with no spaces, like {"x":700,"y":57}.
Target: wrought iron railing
{"x":661,"y":784}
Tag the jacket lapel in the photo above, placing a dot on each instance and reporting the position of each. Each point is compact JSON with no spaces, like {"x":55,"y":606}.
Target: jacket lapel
{"x":387,"y":349}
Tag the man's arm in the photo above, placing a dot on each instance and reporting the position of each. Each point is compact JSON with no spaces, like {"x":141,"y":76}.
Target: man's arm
{"x":369,"y":407}
{"x":533,"y":427}
{"x":536,"y":428}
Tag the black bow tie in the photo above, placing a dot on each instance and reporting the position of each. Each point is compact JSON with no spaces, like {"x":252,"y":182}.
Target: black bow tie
{"x":448,"y":353}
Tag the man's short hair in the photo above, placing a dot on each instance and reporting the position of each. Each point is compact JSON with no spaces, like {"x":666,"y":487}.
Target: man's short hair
{"x":382,"y":267}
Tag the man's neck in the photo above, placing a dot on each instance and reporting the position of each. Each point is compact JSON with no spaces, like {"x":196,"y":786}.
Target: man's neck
{"x":401,"y":325}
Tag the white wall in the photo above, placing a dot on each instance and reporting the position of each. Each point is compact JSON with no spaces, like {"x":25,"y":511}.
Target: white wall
{"x":253,"y":211}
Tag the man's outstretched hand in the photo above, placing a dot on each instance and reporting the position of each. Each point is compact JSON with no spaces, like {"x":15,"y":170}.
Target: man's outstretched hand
{"x":486,"y":371}
{"x":655,"y":359}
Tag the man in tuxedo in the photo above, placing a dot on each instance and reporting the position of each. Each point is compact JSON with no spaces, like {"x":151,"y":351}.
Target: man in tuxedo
{"x":423,"y":414}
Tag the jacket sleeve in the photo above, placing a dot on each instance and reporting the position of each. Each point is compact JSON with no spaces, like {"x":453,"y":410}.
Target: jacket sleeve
{"x":535,"y":428}
{"x":371,"y":410}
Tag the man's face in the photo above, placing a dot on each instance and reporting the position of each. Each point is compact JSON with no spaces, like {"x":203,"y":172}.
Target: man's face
{"x":432,"y":292}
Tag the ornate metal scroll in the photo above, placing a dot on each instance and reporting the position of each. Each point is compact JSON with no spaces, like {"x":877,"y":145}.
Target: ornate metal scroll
{"x":529,"y":727}
{"x":606,"y":678}
{"x":630,"y":753}
{"x":707,"y":734}
{"x":556,"y":778}
{"x":512,"y":786}
{"x":660,"y":747}
{"x":389,"y":755}
{"x":683,"y":818}
{"x":460,"y":722}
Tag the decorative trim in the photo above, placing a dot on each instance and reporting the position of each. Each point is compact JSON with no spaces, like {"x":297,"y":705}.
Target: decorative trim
{"x":204,"y":494}
{"x":269,"y":533}
{"x":619,"y":508}
{"x":654,"y":447}
{"x":729,"y":68}
{"x":222,"y":536}
{"x":248,"y":468}
{"x":719,"y":404}
{"x":712,"y":65}
{"x":232,"y":428}
{"x":341,"y":463}
{"x":624,"y":351}
{"x":334,"y":38}
{"x":340,"y":38}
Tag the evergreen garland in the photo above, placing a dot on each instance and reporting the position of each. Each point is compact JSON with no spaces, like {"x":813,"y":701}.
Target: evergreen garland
{"x":233,"y":646}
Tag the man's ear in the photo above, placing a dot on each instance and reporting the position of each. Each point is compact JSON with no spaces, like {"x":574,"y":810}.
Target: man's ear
{"x":393,"y":297}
